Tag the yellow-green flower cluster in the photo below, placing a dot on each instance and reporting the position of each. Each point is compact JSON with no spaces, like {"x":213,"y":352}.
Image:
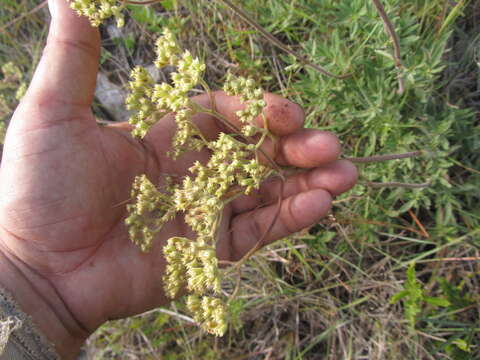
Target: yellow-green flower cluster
{"x":193,"y":265}
{"x":202,"y":197}
{"x":12,"y":79}
{"x":11,"y":73}
{"x":175,"y":273}
{"x":233,"y":168}
{"x":251,"y":96}
{"x":167,"y":50}
{"x":21,"y":91}
{"x":210,"y":312}
{"x":147,"y":215}
{"x":140,"y":101}
{"x":3,"y":132}
{"x":4,"y":108}
{"x":187,"y":137}
{"x":151,"y":101}
{"x":99,"y":10}
{"x":189,"y":72}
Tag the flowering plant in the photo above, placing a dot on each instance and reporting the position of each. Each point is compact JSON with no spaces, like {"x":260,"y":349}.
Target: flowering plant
{"x":233,"y":169}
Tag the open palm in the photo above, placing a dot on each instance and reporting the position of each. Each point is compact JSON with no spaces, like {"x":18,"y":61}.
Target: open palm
{"x":64,"y":183}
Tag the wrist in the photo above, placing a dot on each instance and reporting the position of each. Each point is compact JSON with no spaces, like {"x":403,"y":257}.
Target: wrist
{"x":38,"y":298}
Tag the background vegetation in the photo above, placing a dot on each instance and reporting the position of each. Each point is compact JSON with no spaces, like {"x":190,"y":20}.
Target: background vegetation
{"x":394,"y":272}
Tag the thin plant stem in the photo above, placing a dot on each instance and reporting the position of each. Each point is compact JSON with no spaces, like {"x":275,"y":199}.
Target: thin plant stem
{"x":379,"y":158}
{"x":146,"y":2}
{"x":468,"y":258}
{"x":396,"y":43}
{"x":378,"y":185}
{"x":419,"y":223}
{"x":213,"y":104}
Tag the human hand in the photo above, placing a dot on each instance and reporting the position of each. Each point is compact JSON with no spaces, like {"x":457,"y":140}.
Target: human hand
{"x":64,"y":182}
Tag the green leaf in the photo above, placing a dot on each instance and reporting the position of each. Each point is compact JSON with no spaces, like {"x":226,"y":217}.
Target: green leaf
{"x":456,"y":11}
{"x":437,"y":301}
{"x":462,"y":345}
{"x":169,"y":4}
{"x":398,"y":296}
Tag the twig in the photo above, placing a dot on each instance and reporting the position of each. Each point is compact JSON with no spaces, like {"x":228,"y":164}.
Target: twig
{"x":465,"y":167}
{"x":147,"y":2}
{"x":430,"y":336}
{"x":377,"y":185}
{"x":467,"y":258}
{"x":419,"y":224}
{"x":378,"y":158}
{"x":396,"y":44}
{"x":272,"y":39}
{"x":177,"y":315}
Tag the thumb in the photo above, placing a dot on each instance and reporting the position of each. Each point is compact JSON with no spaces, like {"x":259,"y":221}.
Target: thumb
{"x":68,"y":69}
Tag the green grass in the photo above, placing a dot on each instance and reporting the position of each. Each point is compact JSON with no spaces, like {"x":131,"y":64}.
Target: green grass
{"x":327,"y":293}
